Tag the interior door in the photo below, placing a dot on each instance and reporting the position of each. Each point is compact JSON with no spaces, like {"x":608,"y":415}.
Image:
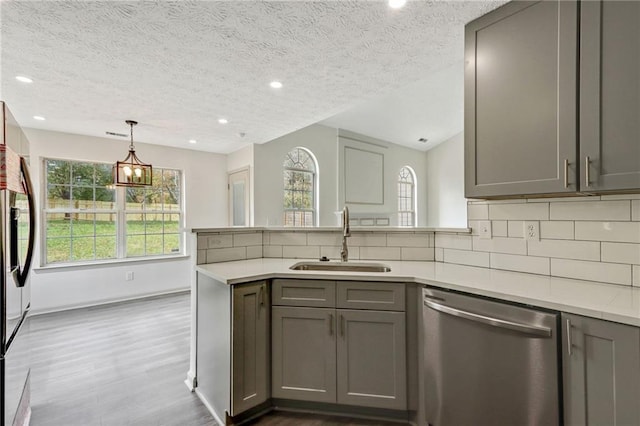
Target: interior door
{"x":239,"y":201}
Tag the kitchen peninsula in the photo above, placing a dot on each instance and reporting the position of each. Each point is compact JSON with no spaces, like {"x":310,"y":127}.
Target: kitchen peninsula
{"x":236,"y":346}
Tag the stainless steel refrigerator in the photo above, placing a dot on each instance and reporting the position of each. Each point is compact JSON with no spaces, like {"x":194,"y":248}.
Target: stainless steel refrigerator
{"x":17,"y":231}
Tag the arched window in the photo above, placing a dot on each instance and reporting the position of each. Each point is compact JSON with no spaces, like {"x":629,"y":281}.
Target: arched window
{"x":406,"y":197}
{"x":300,"y":186}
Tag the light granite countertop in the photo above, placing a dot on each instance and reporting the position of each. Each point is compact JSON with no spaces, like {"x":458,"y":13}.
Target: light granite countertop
{"x":604,"y":301}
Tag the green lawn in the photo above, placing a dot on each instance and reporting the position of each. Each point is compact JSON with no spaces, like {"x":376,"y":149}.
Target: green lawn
{"x":74,"y":240}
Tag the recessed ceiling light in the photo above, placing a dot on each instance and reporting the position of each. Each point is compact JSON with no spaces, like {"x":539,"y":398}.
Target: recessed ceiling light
{"x":38,"y":117}
{"x":193,"y":141}
{"x":397,"y":4}
{"x":23,"y":79}
{"x":223,"y":121}
{"x":275,"y":84}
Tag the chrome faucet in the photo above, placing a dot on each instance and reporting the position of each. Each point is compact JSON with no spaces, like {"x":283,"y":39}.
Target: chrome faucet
{"x":346,"y":232}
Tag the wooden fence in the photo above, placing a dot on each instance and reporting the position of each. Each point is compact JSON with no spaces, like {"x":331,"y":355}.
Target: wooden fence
{"x":86,"y":210}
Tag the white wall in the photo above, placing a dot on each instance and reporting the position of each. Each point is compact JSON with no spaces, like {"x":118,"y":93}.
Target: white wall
{"x":395,"y":157}
{"x":446,"y":205}
{"x":205,"y":206}
{"x":268,"y":159}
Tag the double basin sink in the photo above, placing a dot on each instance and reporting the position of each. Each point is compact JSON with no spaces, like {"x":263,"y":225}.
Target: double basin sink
{"x":341,"y":266}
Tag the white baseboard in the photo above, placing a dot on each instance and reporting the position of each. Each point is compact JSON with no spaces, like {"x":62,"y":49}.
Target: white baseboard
{"x":34,"y":312}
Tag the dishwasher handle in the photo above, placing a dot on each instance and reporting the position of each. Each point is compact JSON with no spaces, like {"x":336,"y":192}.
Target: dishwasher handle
{"x":495,"y":322}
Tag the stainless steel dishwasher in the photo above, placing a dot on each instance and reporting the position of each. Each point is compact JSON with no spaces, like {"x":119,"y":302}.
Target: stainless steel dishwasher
{"x":489,"y":363}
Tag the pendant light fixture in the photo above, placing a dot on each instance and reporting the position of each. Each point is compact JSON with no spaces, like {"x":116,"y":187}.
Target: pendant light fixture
{"x":131,"y":171}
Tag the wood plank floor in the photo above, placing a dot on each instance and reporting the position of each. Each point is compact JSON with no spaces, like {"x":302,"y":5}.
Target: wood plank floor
{"x":125,"y":364}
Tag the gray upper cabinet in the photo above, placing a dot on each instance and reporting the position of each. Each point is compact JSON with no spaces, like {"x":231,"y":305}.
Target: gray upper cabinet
{"x":250,"y":343}
{"x":601,"y":368}
{"x":528,"y":131}
{"x":520,"y":100}
{"x":610,"y":95}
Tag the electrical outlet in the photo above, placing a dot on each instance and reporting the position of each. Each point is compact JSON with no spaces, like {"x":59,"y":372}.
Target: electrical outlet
{"x":484,"y":229}
{"x":129,"y":276}
{"x":532,"y":230}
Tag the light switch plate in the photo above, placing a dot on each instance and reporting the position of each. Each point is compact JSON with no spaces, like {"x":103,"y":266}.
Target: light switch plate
{"x":532,"y":230}
{"x":484,"y":229}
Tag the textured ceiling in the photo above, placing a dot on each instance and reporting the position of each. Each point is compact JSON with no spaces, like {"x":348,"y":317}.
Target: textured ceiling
{"x":178,"y":66}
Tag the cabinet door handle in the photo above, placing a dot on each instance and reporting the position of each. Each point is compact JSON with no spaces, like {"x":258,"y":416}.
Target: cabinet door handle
{"x":341,"y":325}
{"x":587,"y":175}
{"x":566,"y":173}
{"x":330,"y":324}
{"x":569,"y":344}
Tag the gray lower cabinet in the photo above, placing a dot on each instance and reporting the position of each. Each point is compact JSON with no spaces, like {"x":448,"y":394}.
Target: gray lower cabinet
{"x":250,"y":385}
{"x":601,"y":369}
{"x":345,"y":356}
{"x":371,"y":359}
{"x":303,"y":351}
{"x":610,"y":95}
{"x":520,"y":100}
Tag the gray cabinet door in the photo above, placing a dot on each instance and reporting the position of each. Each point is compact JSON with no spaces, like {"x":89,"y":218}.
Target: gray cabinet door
{"x":371,"y":355}
{"x":610,"y":95}
{"x":520,"y":100}
{"x":304,"y":353}
{"x":250,"y":347}
{"x":601,"y":368}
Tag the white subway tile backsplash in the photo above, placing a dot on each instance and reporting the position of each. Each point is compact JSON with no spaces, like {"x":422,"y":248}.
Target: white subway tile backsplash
{"x":380,"y":253}
{"x":301,"y":252}
{"x":404,"y":239}
{"x":288,"y":238}
{"x":624,"y":232}
{"x":522,"y":211}
{"x":461,"y":242}
{"x":466,"y":257}
{"x":515,"y":229}
{"x":324,"y":238}
{"x":272,"y":251}
{"x":591,"y":210}
{"x":477,"y":211}
{"x":635,"y":210}
{"x":219,"y":241}
{"x":416,"y":253}
{"x":592,"y":271}
{"x":226,"y":254}
{"x":529,"y":264}
{"x":439,"y":254}
{"x":565,"y":249}
{"x":368,"y":239}
{"x":636,"y":276}
{"x":499,"y":228}
{"x":254,"y":252}
{"x":202,"y":242}
{"x":202,"y":257}
{"x":500,"y":245}
{"x":621,"y":253}
{"x":620,"y":197}
{"x":252,"y":239}
{"x":557,"y":230}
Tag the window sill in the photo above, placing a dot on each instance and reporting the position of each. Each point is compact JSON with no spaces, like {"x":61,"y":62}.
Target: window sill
{"x":109,"y":263}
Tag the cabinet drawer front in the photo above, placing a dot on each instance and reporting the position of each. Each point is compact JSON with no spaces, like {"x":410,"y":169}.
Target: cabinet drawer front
{"x":371,"y":295}
{"x":313,"y":293}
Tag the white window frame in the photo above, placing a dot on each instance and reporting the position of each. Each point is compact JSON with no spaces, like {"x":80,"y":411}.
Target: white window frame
{"x":315,"y":175}
{"x":413,"y":213}
{"x":119,"y":211}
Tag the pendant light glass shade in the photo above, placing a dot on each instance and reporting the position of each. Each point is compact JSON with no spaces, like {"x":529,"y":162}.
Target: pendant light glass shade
{"x":131,"y":171}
